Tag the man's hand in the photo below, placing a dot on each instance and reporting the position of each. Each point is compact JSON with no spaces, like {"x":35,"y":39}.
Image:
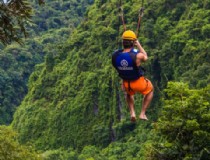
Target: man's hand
{"x":136,"y":43}
{"x":142,"y":56}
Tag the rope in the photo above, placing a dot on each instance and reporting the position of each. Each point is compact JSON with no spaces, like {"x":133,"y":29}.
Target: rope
{"x":120,"y":19}
{"x":141,"y":14}
{"x":121,"y":14}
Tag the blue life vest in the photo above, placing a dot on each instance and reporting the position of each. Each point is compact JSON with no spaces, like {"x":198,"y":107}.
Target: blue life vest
{"x":125,"y":64}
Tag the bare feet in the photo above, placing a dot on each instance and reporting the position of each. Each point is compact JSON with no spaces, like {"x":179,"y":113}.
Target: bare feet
{"x":133,"y":119}
{"x":143,"y":117}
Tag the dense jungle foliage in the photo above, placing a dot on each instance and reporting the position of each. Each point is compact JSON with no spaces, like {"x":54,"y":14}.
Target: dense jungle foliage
{"x":75,"y":108}
{"x":10,"y":149}
{"x":50,"y":26}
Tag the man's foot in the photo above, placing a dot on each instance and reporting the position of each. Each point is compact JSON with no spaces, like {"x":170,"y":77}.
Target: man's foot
{"x":133,"y":118}
{"x":143,"y":117}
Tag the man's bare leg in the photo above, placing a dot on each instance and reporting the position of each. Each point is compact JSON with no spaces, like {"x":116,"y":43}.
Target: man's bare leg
{"x":130,"y":101}
{"x":146,"y":101}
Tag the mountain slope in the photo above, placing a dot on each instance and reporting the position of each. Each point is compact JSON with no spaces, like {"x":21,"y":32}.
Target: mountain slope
{"x":74,"y":98}
{"x":52,"y":25}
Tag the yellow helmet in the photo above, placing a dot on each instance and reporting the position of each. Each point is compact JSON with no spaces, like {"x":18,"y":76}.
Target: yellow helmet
{"x":129,"y":35}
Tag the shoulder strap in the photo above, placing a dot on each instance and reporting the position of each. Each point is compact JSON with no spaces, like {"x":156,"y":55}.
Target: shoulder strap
{"x":133,"y":56}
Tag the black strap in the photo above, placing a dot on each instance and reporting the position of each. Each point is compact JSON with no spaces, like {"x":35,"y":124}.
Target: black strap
{"x":133,"y":56}
{"x":129,"y":86}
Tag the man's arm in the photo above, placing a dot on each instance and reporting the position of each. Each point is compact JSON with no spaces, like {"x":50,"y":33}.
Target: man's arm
{"x":142,"y":56}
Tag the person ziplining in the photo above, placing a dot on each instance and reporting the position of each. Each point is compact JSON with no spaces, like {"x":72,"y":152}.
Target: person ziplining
{"x":127,"y":62}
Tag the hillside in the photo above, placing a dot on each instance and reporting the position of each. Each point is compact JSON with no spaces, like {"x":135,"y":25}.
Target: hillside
{"x":51,"y":25}
{"x":75,"y":103}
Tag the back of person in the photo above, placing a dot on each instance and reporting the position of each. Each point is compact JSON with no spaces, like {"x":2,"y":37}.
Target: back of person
{"x":127,"y":63}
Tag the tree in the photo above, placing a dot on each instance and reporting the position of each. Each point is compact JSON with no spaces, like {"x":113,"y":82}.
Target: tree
{"x":10,"y":149}
{"x":14,"y":15}
{"x":182,"y":130}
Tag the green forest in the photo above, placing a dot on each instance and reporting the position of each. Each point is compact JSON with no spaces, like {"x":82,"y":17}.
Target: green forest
{"x":61,"y":98}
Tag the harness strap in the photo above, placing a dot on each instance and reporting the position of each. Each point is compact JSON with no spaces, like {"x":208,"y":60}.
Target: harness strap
{"x":141,"y":14}
{"x":129,"y":86}
{"x":121,"y":14}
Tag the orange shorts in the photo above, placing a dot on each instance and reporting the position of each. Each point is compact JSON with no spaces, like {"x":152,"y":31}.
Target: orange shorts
{"x":141,"y":85}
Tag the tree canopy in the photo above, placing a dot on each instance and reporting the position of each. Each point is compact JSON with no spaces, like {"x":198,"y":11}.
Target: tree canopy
{"x":11,"y":149}
{"x":14,"y":16}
